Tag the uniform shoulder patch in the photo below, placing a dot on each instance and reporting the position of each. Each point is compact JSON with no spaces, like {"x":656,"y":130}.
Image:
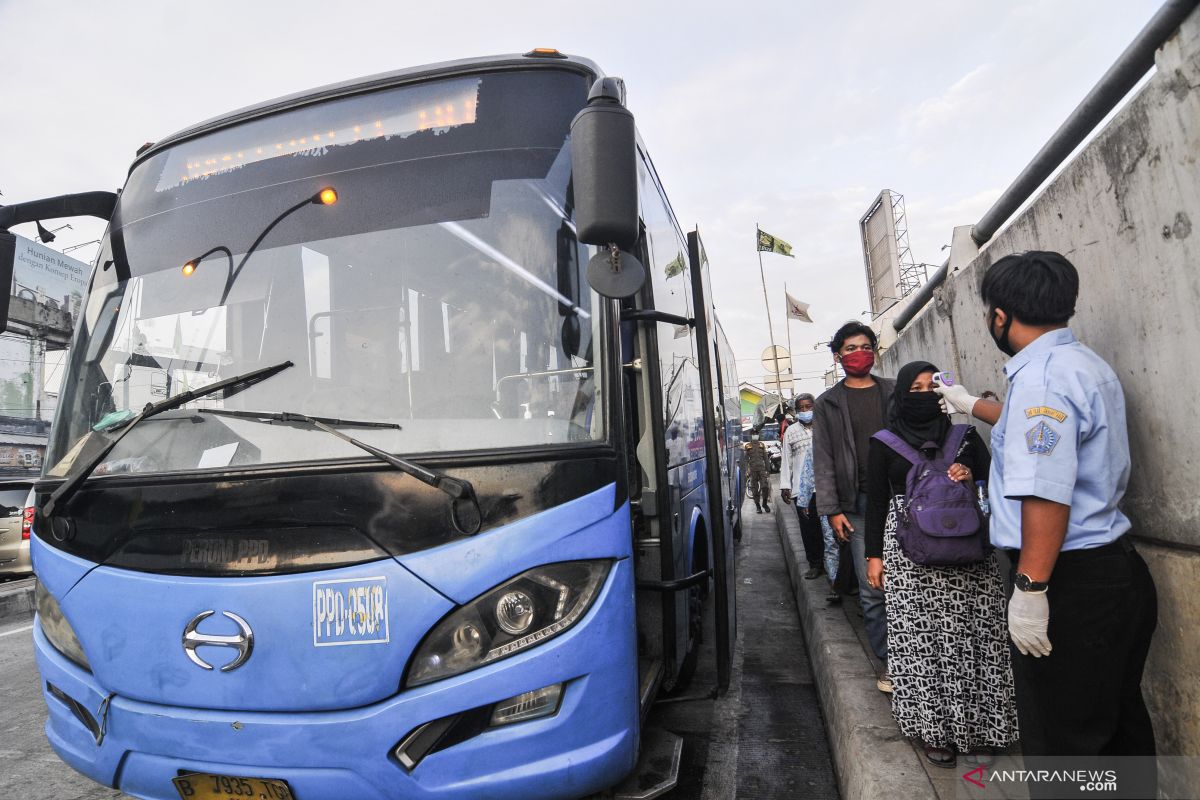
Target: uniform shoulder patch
{"x":1045,"y":411}
{"x":1041,"y":439}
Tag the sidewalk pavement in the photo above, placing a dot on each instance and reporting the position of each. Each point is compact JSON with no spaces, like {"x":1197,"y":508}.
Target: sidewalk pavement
{"x":873,"y":759}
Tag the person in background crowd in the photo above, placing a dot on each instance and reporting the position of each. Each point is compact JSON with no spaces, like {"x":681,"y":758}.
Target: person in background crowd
{"x":844,"y":419}
{"x":1084,"y":607}
{"x":758,"y":465}
{"x":836,"y":554}
{"x":796,"y":457}
{"x":947,"y":644}
{"x":789,"y":416}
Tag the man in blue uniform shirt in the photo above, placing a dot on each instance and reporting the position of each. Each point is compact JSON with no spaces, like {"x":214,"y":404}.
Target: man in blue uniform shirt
{"x":1084,"y":606}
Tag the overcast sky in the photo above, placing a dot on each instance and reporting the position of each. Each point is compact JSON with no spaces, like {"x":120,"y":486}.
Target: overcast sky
{"x":789,"y":114}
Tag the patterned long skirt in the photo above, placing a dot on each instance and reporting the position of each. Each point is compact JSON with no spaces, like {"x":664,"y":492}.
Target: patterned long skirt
{"x":948,"y":651}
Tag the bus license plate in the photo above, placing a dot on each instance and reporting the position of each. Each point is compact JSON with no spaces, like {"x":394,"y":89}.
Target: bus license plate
{"x":203,"y":786}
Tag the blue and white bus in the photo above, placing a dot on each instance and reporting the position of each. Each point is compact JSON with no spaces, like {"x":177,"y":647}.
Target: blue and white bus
{"x":380,"y":469}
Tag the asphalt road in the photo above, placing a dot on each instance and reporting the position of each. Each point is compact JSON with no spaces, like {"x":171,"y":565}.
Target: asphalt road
{"x":29,"y":769}
{"x":763,"y":739}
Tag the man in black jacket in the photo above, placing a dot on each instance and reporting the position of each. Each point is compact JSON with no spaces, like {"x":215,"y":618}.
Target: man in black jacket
{"x":844,"y":419}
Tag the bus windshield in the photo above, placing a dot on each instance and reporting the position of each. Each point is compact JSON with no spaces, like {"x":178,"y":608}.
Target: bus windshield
{"x":442,"y":291}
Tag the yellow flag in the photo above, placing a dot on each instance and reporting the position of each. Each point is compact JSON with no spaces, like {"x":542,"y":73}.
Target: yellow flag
{"x":773,"y":244}
{"x":676,"y":266}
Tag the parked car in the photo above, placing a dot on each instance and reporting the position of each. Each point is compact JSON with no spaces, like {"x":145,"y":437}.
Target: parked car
{"x":16,"y":519}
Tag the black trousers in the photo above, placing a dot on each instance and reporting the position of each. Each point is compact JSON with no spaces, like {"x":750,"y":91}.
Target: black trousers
{"x":1085,"y":698}
{"x":811,"y":534}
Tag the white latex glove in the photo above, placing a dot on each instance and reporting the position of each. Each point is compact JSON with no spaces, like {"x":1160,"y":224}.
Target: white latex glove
{"x":1028,"y":618}
{"x":956,"y":398}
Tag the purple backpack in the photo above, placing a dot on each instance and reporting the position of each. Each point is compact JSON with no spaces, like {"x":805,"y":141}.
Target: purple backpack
{"x":941,"y":524}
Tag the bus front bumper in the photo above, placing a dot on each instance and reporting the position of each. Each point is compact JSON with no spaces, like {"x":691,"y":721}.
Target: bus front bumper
{"x":589,"y":744}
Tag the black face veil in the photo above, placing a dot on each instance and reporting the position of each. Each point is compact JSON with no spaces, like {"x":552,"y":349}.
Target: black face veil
{"x":916,"y":417}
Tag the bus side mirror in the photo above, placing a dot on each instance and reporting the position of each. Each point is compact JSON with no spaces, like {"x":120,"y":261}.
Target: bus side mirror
{"x":85,"y":204}
{"x":604,"y":182}
{"x":8,"y":252}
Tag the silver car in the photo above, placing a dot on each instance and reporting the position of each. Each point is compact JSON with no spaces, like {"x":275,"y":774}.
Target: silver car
{"x":16,"y":515}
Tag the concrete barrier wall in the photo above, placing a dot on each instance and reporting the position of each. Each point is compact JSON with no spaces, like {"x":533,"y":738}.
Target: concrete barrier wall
{"x":1126,"y":211}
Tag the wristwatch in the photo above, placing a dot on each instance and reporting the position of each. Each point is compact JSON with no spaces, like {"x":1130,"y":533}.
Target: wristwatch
{"x":1027,"y":584}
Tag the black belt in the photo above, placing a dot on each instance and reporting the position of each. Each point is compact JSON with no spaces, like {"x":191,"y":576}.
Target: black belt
{"x":1122,"y":545}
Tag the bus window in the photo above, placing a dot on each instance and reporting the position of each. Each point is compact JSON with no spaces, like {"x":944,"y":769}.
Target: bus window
{"x":682,"y":412}
{"x":455,"y":308}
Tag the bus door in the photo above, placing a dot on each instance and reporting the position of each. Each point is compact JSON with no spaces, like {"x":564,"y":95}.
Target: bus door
{"x":657,"y":435}
{"x":722,"y":541}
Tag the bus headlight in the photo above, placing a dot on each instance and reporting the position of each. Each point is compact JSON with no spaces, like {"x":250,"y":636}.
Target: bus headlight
{"x":529,"y":609}
{"x":514,"y":612}
{"x":58,"y":631}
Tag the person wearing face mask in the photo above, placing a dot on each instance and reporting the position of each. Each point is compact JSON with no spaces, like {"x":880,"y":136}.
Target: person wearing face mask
{"x":947,"y":644}
{"x":796,"y":461}
{"x":759,"y":472}
{"x":844,"y":419}
{"x":1084,"y":606}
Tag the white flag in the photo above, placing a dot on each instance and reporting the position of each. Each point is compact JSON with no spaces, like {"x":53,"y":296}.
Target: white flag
{"x":796,"y":309}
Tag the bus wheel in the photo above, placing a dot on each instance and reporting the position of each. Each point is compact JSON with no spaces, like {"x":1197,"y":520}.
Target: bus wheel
{"x":695,"y":635}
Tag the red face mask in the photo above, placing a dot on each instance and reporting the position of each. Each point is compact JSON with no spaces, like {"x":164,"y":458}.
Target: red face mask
{"x":859,"y":363}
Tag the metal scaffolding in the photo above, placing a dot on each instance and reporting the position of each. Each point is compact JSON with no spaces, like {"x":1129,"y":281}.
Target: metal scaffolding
{"x":909,"y":274}
{"x":892,"y":273}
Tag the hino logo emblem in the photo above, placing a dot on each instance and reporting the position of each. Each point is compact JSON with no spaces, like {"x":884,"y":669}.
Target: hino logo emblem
{"x":243,"y":641}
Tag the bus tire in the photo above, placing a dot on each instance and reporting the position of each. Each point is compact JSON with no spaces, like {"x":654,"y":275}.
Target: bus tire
{"x":687,"y":668}
{"x":696,"y":595}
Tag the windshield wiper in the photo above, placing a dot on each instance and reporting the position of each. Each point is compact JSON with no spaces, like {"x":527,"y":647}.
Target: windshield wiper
{"x":291,"y":416}
{"x":232,"y":386}
{"x":461,"y":492}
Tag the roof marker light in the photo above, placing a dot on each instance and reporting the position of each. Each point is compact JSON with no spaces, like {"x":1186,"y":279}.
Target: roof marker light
{"x":544,"y":52}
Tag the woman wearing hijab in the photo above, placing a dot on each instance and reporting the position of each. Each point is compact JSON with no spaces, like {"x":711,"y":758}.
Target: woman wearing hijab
{"x":947,"y":637}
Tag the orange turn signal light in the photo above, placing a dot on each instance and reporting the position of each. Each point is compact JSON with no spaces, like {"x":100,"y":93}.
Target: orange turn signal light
{"x":189,"y":268}
{"x":327,"y":196}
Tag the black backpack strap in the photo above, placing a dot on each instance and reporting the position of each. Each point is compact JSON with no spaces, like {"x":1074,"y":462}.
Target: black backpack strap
{"x":954,"y":440}
{"x":899,"y":445}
